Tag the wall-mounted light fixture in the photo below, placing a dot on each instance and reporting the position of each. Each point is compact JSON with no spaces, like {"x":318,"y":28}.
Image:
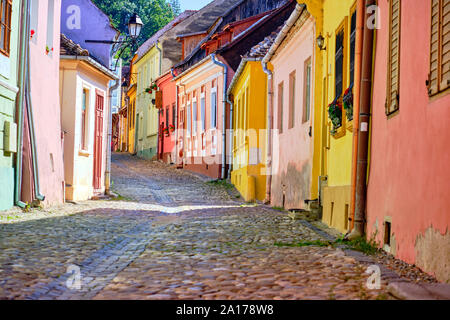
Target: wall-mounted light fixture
{"x":321,"y":42}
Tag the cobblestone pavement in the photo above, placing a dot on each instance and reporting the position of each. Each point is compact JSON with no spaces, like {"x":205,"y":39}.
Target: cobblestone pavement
{"x":170,"y":235}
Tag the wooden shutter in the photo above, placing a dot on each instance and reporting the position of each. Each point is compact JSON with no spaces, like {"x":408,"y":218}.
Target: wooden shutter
{"x":439,"y":78}
{"x":393,"y":89}
{"x":158,"y":100}
{"x":445,"y":45}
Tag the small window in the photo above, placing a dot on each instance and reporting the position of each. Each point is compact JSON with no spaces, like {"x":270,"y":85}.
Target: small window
{"x":202,"y":111}
{"x":292,"y":100}
{"x":339,"y":64}
{"x":167,"y":115}
{"x":352,"y":47}
{"x":84,"y":119}
{"x":280,"y":107}
{"x":50,"y":26}
{"x":188,"y":118}
{"x":34,"y":20}
{"x":214,"y":108}
{"x":194,"y":117}
{"x":307,"y":91}
{"x":174,"y":110}
{"x":5,"y":23}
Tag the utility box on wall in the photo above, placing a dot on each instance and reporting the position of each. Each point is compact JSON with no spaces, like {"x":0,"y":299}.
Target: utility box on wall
{"x":10,"y":137}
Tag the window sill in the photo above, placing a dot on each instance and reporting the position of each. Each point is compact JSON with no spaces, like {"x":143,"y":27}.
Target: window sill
{"x":84,"y":153}
{"x":350,"y":126}
{"x":340,"y":132}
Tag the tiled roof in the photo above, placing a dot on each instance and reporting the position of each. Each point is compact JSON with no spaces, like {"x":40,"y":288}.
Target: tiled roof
{"x":70,"y":48}
{"x":147,"y":45}
{"x":261,"y":49}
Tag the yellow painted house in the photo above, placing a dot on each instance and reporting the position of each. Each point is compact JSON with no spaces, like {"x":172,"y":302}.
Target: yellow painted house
{"x":334,"y":74}
{"x":339,"y":32}
{"x":248,"y":91}
{"x":131,"y":116}
{"x":148,"y":69}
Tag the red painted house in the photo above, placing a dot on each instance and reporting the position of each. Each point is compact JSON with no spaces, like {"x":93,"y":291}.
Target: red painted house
{"x":408,"y":198}
{"x":167,"y":118}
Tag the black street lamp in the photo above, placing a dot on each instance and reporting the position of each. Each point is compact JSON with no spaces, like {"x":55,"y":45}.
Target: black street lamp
{"x":134,"y":30}
{"x":134,"y":26}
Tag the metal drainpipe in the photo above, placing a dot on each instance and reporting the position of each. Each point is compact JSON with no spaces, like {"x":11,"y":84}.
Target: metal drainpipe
{"x":231,"y":137}
{"x":176,"y":118}
{"x":159,"y":111}
{"x":269,"y":130}
{"x":29,"y":107}
{"x":357,"y":89}
{"x":108,"y":149}
{"x":363,"y":135}
{"x":224,"y":99}
{"x":20,"y":102}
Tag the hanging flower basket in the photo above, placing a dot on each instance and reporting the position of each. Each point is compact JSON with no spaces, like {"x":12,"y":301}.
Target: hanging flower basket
{"x":171,"y":128}
{"x":149,"y":90}
{"x":335,"y":114}
{"x":348,"y":102}
{"x":166,"y":131}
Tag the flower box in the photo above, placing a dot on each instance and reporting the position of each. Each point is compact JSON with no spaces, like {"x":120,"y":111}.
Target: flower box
{"x":347,"y":100}
{"x":335,"y":114}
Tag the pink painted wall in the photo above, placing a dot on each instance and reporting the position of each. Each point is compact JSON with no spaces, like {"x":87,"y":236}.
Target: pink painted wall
{"x":292,"y":155}
{"x":46,"y":103}
{"x":409,"y":165}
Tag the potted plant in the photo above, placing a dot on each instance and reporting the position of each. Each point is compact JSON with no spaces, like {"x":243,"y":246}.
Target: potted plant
{"x":347,"y":99}
{"x":335,"y":114}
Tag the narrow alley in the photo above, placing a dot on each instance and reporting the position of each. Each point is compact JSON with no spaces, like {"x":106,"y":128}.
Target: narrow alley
{"x":171,"y":235}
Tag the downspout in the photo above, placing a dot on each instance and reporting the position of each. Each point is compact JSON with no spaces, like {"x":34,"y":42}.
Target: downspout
{"x":224,"y":99}
{"x":357,"y":88}
{"x":29,"y":107}
{"x":363,"y":128}
{"x":159,"y":143}
{"x":269,"y":130}
{"x":20,"y":101}
{"x":230,"y":161}
{"x":108,"y":149}
{"x":176,"y":118}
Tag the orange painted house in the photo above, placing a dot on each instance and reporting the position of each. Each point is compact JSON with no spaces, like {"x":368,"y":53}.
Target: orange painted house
{"x":408,"y":197}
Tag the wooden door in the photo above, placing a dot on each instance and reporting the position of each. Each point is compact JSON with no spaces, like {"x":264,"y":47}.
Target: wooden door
{"x":98,"y":140}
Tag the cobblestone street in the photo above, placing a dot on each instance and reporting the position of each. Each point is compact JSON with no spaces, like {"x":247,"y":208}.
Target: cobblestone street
{"x":171,"y":235}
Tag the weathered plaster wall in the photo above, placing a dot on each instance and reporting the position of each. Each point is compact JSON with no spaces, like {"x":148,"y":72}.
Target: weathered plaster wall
{"x":293,"y":148}
{"x":409,"y":174}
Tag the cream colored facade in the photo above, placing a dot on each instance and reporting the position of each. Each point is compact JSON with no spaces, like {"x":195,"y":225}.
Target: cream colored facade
{"x":78,"y":77}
